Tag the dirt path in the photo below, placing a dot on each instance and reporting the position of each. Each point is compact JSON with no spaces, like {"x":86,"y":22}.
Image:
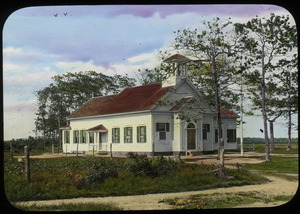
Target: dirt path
{"x":277,"y":186}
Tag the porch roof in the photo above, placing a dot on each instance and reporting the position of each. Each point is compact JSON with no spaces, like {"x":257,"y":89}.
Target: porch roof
{"x":66,"y":127}
{"x":99,"y":128}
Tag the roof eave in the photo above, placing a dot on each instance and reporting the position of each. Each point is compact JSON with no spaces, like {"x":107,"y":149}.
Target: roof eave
{"x":108,"y":115}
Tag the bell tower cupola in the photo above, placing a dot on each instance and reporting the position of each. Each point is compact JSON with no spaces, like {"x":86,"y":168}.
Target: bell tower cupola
{"x":179,"y":68}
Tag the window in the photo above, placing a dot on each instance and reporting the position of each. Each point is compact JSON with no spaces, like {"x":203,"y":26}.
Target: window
{"x":182,"y":69}
{"x":162,"y":128}
{"x":141,"y":134}
{"x":83,"y":136}
{"x":67,"y":136}
{"x":91,"y":137}
{"x":231,"y":135}
{"x":116,"y":135}
{"x":205,"y":130}
{"x":76,"y":136}
{"x":190,"y":126}
{"x":128,"y":135}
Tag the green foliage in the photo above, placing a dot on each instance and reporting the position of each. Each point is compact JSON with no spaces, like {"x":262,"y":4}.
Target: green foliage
{"x":155,"y":75}
{"x":72,"y":177}
{"x":70,"y":207}
{"x":278,"y":164}
{"x":224,"y":200}
{"x":35,"y":144}
{"x":141,"y":165}
{"x":69,"y":92}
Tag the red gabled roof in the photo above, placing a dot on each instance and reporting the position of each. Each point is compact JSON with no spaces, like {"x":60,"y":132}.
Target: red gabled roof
{"x":180,"y":103}
{"x":130,"y":99}
{"x":98,"y":128}
{"x":176,"y":57}
{"x":227,"y":113}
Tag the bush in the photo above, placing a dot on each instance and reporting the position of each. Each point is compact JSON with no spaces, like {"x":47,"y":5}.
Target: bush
{"x":141,"y":165}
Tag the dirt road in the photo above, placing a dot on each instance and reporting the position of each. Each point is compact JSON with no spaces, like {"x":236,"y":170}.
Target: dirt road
{"x":277,"y":186}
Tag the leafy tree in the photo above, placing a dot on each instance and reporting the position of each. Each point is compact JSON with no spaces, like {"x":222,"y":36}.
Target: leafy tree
{"x":215,"y":47}
{"x":265,"y":39}
{"x":287,"y":84}
{"x":158,"y":74}
{"x":68,"y":93}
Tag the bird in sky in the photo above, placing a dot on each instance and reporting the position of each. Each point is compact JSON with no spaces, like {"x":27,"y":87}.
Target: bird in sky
{"x":55,"y":14}
{"x":65,"y":14}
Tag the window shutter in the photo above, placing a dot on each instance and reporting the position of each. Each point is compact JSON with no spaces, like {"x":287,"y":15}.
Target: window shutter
{"x":125,"y":134}
{"x":138,"y":134}
{"x":113,"y":135}
{"x":130,"y":135}
{"x":145,"y":134}
{"x":167,"y":127}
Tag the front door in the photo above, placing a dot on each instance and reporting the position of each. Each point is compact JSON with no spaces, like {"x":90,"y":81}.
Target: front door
{"x":191,"y":136}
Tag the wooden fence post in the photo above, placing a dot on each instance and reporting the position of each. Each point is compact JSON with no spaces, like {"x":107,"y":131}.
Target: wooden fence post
{"x":52,"y":148}
{"x":153,"y":149}
{"x":11,"y":151}
{"x":77,"y":149}
{"x":111,"y":156}
{"x":27,"y":163}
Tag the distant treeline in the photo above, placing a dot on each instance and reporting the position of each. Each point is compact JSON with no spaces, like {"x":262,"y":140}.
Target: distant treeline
{"x":256,"y":140}
{"x":33,"y":143}
{"x":41,"y":144}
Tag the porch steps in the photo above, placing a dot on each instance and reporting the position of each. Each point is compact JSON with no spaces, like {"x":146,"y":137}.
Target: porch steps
{"x":194,"y":153}
{"x":102,"y":153}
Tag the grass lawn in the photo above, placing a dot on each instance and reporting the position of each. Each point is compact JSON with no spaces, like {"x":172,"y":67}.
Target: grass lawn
{"x":70,"y":207}
{"x":276,"y":167}
{"x":279,"y":149}
{"x":277,"y":164}
{"x":223,"y":200}
{"x":73,"y":177}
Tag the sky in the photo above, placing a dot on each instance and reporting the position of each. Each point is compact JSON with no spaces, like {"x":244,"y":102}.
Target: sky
{"x":41,"y":42}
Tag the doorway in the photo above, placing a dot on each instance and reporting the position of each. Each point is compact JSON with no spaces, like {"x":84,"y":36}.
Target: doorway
{"x":191,"y":136}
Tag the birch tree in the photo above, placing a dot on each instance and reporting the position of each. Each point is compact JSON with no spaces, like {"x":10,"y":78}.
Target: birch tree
{"x":213,"y":44}
{"x":265,"y":40}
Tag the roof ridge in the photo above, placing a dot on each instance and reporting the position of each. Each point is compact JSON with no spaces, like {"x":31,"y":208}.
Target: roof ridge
{"x":105,"y":96}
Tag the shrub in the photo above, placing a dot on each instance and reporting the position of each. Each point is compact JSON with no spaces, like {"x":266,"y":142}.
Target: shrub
{"x":98,"y":171}
{"x":141,"y":165}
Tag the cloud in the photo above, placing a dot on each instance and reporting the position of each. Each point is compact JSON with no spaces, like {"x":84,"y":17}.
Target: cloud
{"x":147,"y":11}
{"x":142,"y":58}
{"x":19,"y":105}
{"x":77,"y":66}
{"x":26,"y":55}
{"x":24,"y":79}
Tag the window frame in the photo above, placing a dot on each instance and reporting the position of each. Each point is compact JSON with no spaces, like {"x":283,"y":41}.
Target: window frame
{"x":162,"y":132}
{"x":91,"y":137}
{"x":128,"y":134}
{"x":116,"y":135}
{"x":76,"y":136}
{"x":67,"y":137}
{"x":140,"y":136}
{"x":82,"y":136}
{"x":233,"y":135}
{"x":205,"y":130}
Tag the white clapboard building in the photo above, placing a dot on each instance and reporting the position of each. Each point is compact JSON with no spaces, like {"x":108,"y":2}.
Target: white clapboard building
{"x":162,"y":118}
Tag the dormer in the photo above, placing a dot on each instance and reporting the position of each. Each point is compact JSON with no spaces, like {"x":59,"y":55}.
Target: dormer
{"x":179,"y":66}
